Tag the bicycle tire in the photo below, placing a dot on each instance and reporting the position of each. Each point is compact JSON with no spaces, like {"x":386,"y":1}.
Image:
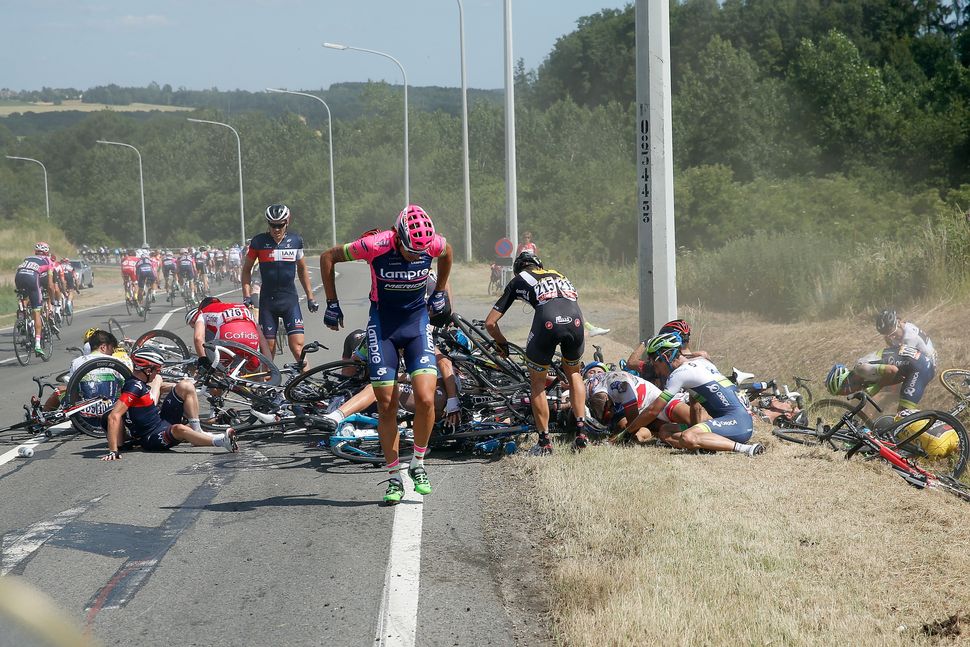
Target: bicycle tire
{"x":327,"y":381}
{"x":169,"y":344}
{"x":47,"y":340}
{"x":128,"y":303}
{"x":22,"y":340}
{"x":957,"y":382}
{"x":68,"y":314}
{"x":116,"y":329}
{"x":368,"y":450}
{"x":798,"y":436}
{"x":267,"y":371}
{"x":91,"y":424}
{"x":953,"y":464}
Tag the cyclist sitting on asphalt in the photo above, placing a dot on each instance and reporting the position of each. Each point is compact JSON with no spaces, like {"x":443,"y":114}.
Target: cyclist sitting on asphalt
{"x":281,"y":260}
{"x":904,"y":365}
{"x":99,"y":382}
{"x":400,"y":260}
{"x":730,"y":426}
{"x":903,"y":333}
{"x":154,"y":428}
{"x":33,"y":276}
{"x":557,"y":322}
{"x":616,"y":398}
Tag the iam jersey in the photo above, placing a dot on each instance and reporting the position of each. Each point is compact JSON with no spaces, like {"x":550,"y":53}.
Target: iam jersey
{"x":230,"y":322}
{"x":717,"y":394}
{"x":396,"y":283}
{"x":35,"y":267}
{"x":277,"y":263}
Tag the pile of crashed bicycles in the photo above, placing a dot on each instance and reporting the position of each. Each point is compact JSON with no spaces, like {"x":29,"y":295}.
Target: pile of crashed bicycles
{"x":245,"y":390}
{"x":248,"y":392}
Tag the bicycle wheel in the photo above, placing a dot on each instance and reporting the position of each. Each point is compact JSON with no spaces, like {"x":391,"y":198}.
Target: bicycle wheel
{"x":957,"y":382}
{"x":326,"y":382}
{"x":243,"y":364}
{"x":118,"y":331}
{"x":165,"y":342}
{"x":47,"y":339}
{"x":102,"y":377}
{"x":144,"y":305}
{"x":68,"y":313}
{"x":830,"y":411}
{"x":128,"y":302}
{"x":367,"y":450}
{"x":934,"y":440}
{"x":23,"y":339}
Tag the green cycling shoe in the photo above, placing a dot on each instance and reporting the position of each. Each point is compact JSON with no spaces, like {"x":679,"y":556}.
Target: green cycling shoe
{"x":394,"y":492}
{"x":420,"y":478}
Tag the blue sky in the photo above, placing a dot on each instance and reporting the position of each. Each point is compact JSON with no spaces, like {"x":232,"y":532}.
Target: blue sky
{"x":253,"y":44}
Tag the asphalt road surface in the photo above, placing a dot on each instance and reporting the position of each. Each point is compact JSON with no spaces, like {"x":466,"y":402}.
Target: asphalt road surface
{"x":280,"y":544}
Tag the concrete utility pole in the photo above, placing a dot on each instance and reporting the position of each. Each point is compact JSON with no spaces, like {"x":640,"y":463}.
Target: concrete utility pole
{"x":511,"y":192}
{"x":655,"y":169}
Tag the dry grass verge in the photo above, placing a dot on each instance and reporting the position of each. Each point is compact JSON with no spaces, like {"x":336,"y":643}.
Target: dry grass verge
{"x":796,"y":547}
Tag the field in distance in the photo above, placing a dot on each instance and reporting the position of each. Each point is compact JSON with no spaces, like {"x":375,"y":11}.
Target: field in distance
{"x":8,"y":107}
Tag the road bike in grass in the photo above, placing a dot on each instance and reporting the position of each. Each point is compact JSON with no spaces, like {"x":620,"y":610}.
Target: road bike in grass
{"x":897,"y":442}
{"x":779,"y":406}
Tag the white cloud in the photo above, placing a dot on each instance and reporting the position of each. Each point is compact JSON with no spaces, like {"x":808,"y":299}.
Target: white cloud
{"x":138,"y":22}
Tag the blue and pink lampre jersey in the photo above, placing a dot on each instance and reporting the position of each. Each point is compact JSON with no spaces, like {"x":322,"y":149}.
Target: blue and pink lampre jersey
{"x":397,"y":284}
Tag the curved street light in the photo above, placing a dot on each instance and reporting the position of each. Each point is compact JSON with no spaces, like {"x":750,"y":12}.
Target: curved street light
{"x":141,"y":184}
{"x":242,"y":209}
{"x":333,"y":202}
{"x":407,"y":180}
{"x":47,"y":198}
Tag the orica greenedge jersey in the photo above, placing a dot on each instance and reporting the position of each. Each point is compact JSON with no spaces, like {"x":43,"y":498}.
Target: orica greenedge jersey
{"x":717,"y":394}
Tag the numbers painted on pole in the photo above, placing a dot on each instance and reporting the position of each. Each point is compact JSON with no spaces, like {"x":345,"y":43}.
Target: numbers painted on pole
{"x":643,"y":161}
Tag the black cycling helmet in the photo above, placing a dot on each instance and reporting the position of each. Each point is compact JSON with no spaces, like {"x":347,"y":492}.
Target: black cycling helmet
{"x":886,"y":321}
{"x":277,"y":213}
{"x":525,"y":258}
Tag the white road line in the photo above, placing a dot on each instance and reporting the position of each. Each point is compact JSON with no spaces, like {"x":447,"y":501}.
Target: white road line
{"x":19,"y":547}
{"x":398,"y":622}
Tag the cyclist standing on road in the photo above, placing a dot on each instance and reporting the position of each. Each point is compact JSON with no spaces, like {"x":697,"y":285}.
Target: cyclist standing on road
{"x":557,"y":322}
{"x":281,"y":260}
{"x":400,"y":261}
{"x":33,"y":276}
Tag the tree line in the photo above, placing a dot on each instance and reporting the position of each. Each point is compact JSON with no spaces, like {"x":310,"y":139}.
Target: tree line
{"x":848,"y":118}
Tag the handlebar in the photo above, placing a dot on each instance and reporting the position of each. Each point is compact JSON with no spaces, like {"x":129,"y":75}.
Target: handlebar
{"x":863,"y":398}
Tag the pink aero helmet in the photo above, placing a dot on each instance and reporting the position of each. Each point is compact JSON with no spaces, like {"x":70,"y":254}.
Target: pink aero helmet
{"x":414,"y":229}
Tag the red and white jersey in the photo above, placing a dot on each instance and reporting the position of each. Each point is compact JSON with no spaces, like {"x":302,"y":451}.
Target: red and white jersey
{"x":231,"y":322}
{"x":128,"y":264}
{"x":633,"y":394}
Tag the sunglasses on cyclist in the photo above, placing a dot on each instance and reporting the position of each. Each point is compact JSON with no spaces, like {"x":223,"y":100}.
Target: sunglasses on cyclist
{"x":279,"y":226}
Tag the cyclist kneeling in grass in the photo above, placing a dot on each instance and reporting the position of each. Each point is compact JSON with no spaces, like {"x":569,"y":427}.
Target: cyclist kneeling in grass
{"x":153,"y":428}
{"x":617,"y":398}
{"x":904,"y":365}
{"x":730,"y":426}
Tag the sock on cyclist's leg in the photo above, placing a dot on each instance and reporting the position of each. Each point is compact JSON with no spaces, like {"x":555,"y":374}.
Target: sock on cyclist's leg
{"x":218,"y":440}
{"x":394,"y":470}
{"x":194,"y":423}
{"x":742,"y":448}
{"x":417,"y":459}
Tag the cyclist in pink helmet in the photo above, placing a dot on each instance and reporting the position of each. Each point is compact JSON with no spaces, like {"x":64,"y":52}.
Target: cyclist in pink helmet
{"x":399,"y":322}
{"x":414,"y":229}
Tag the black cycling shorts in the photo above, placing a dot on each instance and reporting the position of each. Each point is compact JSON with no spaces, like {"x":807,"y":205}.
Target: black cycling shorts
{"x":552,"y":328}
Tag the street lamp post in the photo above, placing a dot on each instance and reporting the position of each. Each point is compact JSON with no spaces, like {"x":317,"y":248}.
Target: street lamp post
{"x":47,"y":197}
{"x":407,"y":180}
{"x":464,"y":134}
{"x":333,"y":202}
{"x":242,"y":208}
{"x":141,"y":184}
